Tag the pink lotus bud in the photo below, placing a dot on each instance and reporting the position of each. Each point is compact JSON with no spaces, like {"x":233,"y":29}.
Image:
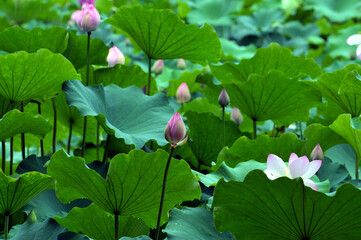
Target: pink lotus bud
{"x":74,"y":17}
{"x":181,"y":64}
{"x":158,"y":67}
{"x":82,"y":2}
{"x":317,"y":153}
{"x":223,"y":98}
{"x":183,"y":95}
{"x":89,"y":18}
{"x":175,"y":131}
{"x":236,"y":116}
{"x":115,"y":56}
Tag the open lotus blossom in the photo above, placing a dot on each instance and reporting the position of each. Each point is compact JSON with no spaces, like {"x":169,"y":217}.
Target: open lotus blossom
{"x":355,"y":40}
{"x":297,"y":167}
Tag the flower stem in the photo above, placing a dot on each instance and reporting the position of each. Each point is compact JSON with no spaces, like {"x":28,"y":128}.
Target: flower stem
{"x":41,"y":140}
{"x":70,"y":134}
{"x":86,"y":84}
{"x":356,"y":167}
{"x":3,"y":155}
{"x":22,"y":134}
{"x":163,"y":191}
{"x":301,"y":134}
{"x":254,"y":129}
{"x":106,"y":149}
{"x":6,"y":226}
{"x":116,"y":222}
{"x":224,"y":126}
{"x":55,"y":125}
{"x":11,"y":155}
{"x":149,"y":75}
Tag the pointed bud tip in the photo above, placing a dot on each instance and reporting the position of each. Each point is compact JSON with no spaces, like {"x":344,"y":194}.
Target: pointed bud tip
{"x":317,"y":153}
{"x":223,"y":98}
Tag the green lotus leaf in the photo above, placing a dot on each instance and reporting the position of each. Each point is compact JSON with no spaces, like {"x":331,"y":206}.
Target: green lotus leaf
{"x":245,"y":149}
{"x":26,"y":76}
{"x":161,"y":34}
{"x":15,"y":39}
{"x":77,"y":47}
{"x":16,"y":122}
{"x":274,"y":57}
{"x":97,"y":224}
{"x":273,"y":96}
{"x":344,"y":155}
{"x":127,"y":113}
{"x":193,"y":223}
{"x":261,"y":209}
{"x":133,"y":184}
{"x":336,"y":43}
{"x":16,"y":192}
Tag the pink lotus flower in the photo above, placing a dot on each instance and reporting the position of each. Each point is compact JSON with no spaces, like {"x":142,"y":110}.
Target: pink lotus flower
{"x":158,"y":67}
{"x":175,"y":131}
{"x":317,"y":153}
{"x":89,"y":18}
{"x":82,"y":2}
{"x":223,"y":98}
{"x":181,"y":64}
{"x":297,"y":167}
{"x":355,"y":40}
{"x":115,"y":56}
{"x":183,"y":95}
{"x":236,"y":116}
{"x":75,"y":16}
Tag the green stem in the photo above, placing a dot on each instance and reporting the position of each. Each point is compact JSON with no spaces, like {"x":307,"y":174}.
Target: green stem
{"x":254,"y":129}
{"x":70,"y":134}
{"x":55,"y":125}
{"x":106,"y":149}
{"x":6,"y":226}
{"x":11,"y":155}
{"x":41,"y":140}
{"x":356,"y":167}
{"x":3,"y":156}
{"x":301,"y":134}
{"x":86,"y":84}
{"x":116,"y":222}
{"x":273,"y":130}
{"x":163,"y":192}
{"x":22,"y":134}
{"x":149,"y":75}
{"x":98,"y":138}
{"x":182,"y":104}
{"x":224,"y":126}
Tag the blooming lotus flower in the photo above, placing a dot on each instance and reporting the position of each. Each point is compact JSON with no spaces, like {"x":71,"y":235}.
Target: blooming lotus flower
{"x":355,"y":40}
{"x":317,"y":153}
{"x":236,"y":116}
{"x":181,"y":64}
{"x":115,"y":56}
{"x":297,"y":167}
{"x":175,"y":131}
{"x":89,"y":18}
{"x":223,"y":98}
{"x":82,"y":2}
{"x":158,"y":67}
{"x":183,"y":95}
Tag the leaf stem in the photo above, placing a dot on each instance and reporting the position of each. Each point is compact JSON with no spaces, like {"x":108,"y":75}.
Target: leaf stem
{"x":163,"y":192}
{"x":6,"y":226}
{"x":254,"y":128}
{"x":11,"y":155}
{"x":41,"y":140}
{"x":86,"y":84}
{"x":149,"y":75}
{"x":3,"y":151}
{"x":106,"y":149}
{"x":55,"y":125}
{"x":98,"y":138}
{"x":116,"y":222}
{"x":224,"y":126}
{"x":70,"y":134}
{"x":301,"y":134}
{"x":22,"y":134}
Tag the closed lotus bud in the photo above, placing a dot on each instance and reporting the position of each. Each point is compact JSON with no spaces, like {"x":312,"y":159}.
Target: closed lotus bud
{"x":81,"y":2}
{"x":317,"y":153}
{"x":89,"y":18}
{"x":115,"y":56}
{"x":31,"y":217}
{"x":74,"y":17}
{"x":181,"y":64}
{"x":158,"y":67}
{"x":175,"y":131}
{"x":223,"y":98}
{"x":183,"y":95}
{"x":236,"y":116}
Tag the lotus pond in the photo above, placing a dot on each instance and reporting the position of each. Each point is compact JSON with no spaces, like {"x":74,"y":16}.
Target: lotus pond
{"x":180,"y":119}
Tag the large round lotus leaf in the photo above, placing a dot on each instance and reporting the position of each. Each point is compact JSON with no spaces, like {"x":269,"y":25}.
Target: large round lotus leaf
{"x":261,"y":209}
{"x":16,"y":192}
{"x":193,"y":223}
{"x":161,"y":34}
{"x":133,"y":184}
{"x":16,"y":122}
{"x":126,"y":113}
{"x":274,"y":57}
{"x":98,"y":224}
{"x":15,"y":39}
{"x":26,"y":76}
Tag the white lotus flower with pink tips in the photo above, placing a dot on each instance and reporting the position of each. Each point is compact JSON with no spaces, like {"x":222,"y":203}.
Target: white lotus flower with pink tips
{"x":355,"y":40}
{"x":297,"y":167}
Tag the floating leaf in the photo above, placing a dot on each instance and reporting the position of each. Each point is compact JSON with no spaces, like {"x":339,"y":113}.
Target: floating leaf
{"x":127,"y":113}
{"x":15,"y":39}
{"x":274,"y":57}
{"x":98,"y":224}
{"x":133,"y":184}
{"x":193,"y":223}
{"x":26,"y":76}
{"x":285,"y":209}
{"x":161,"y":34}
